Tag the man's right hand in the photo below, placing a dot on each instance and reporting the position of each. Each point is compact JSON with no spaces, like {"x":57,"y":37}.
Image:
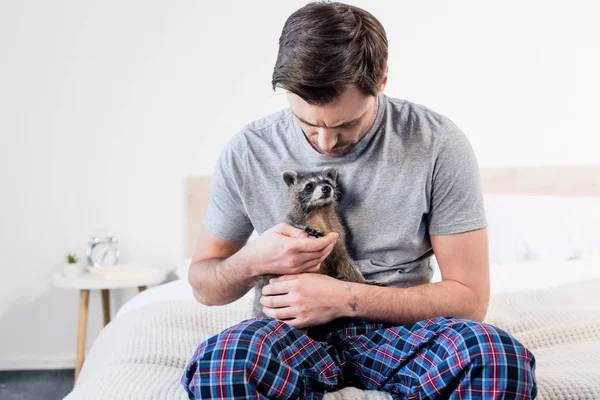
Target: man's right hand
{"x":284,"y":250}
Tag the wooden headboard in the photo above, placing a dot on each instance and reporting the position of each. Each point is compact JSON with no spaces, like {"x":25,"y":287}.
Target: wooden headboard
{"x":559,"y":181}
{"x":547,"y":180}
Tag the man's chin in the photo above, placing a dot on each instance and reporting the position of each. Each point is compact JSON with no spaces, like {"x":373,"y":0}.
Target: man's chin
{"x":338,"y":152}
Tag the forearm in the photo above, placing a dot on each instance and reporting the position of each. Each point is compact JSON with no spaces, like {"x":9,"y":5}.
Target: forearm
{"x":403,"y":306}
{"x":219,"y":281}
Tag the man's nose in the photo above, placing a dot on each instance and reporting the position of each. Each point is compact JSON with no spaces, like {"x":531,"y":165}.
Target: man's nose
{"x":327,"y":140}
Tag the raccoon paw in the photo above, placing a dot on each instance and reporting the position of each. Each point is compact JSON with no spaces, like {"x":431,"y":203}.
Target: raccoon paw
{"x":314,"y":232}
{"x":377,"y":283}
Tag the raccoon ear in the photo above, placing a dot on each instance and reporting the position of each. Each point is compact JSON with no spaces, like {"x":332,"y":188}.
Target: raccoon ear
{"x":331,"y":173}
{"x":289,"y":177}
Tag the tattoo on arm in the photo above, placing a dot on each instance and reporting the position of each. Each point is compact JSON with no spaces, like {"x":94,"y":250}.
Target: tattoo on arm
{"x":354,"y":302}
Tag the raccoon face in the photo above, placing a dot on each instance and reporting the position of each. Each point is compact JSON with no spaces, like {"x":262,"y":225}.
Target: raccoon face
{"x":312,"y":190}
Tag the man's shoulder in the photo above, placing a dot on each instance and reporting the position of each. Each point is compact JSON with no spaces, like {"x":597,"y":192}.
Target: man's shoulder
{"x":269,"y":125}
{"x":260,"y":132}
{"x":421,"y":124}
{"x":412,"y":113}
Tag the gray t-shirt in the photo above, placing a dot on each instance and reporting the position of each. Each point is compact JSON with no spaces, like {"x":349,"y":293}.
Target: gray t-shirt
{"x":414,"y":174}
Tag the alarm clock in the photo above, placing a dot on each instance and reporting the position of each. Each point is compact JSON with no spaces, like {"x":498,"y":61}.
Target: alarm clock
{"x":102,"y":251}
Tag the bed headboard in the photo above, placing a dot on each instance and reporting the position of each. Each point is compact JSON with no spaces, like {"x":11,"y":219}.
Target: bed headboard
{"x":546,"y":180}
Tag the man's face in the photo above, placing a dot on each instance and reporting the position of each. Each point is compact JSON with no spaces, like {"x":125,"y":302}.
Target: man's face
{"x":334,"y":129}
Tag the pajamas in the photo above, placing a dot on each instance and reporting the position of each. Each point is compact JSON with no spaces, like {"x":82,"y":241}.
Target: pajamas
{"x":438,"y":358}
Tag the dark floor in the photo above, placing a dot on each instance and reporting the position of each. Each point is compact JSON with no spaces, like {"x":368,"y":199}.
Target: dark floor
{"x":43,"y":384}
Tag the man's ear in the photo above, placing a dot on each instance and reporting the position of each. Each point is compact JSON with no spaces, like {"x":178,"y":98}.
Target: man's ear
{"x":384,"y":80}
{"x":331,"y":173}
{"x":289,"y":177}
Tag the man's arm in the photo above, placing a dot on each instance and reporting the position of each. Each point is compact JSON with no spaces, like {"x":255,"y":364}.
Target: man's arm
{"x":222,"y":271}
{"x":463,"y":292}
{"x":313,"y":299}
{"x":214,"y":275}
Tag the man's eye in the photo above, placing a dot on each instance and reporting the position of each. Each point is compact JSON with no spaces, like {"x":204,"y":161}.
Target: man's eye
{"x":308,"y":186}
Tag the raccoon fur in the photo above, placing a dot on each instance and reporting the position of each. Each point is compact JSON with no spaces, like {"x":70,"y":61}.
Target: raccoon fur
{"x":313,"y":203}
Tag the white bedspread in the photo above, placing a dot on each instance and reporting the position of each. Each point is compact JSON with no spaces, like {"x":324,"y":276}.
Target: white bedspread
{"x":561,"y":327}
{"x":143,"y":353}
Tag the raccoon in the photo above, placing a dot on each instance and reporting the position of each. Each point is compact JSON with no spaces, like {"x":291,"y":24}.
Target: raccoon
{"x":313,"y":203}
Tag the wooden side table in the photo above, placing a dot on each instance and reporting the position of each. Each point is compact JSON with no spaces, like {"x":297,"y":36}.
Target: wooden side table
{"x":114,"y":277}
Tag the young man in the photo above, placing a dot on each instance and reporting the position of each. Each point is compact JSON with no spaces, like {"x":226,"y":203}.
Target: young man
{"x":410,"y":185}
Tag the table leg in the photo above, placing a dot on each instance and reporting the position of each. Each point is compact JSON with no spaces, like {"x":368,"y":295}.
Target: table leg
{"x":84,"y":299}
{"x":106,"y":306}
{"x":142,"y":288}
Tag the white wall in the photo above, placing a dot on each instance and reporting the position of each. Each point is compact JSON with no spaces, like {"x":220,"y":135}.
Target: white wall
{"x":105,"y":107}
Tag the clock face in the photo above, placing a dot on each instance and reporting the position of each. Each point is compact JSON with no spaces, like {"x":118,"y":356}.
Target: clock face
{"x":103,"y":254}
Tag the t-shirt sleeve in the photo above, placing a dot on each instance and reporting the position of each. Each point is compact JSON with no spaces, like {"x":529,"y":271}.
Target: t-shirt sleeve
{"x":456,"y":196}
{"x":226,"y":216}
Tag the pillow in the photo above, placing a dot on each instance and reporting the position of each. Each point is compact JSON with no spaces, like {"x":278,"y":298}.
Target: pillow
{"x":538,"y":228}
{"x":182,"y":269}
{"x":531,"y":275}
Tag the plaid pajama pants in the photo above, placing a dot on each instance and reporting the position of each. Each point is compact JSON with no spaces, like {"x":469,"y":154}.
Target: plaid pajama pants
{"x":438,"y":358}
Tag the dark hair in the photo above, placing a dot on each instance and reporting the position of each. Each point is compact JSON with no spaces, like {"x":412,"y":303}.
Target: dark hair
{"x":325,"y":47}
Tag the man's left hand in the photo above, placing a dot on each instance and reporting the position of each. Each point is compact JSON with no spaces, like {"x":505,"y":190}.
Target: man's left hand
{"x":302,"y":300}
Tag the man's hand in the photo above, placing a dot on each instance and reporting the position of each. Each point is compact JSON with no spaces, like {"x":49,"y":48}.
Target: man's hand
{"x":284,"y":250}
{"x":303,"y":300}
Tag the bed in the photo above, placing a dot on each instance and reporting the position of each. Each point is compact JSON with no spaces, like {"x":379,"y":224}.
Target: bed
{"x":544,"y":228}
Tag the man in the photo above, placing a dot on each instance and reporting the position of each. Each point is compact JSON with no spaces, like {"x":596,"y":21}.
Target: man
{"x":410,"y":185}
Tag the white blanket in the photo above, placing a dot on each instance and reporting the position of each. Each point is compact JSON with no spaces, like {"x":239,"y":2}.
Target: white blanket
{"x":143,"y":354}
{"x":561,"y":327}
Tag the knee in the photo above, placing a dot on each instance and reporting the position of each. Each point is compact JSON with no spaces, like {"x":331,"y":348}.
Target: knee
{"x":494,"y":348}
{"x":249,"y":331}
{"x":482,"y":339}
{"x":248,"y":335}
{"x":246,"y":341}
{"x":253,"y":327}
